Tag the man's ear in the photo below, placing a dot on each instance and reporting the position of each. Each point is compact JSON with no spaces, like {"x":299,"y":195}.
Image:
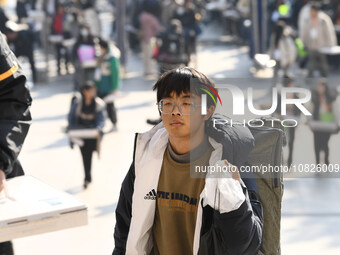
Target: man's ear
{"x":210,"y":112}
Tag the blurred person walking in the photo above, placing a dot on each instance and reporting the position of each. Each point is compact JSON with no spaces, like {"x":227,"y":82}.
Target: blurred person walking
{"x":90,"y":16}
{"x":186,"y":14}
{"x":87,"y":112}
{"x":170,"y":52}
{"x":61,"y":26}
{"x":15,"y":119}
{"x":322,"y":99}
{"x":283,"y":50}
{"x":292,"y":112}
{"x":84,"y":56}
{"x":318,"y":32}
{"x":21,"y":37}
{"x":107,"y":77}
{"x":150,"y":27}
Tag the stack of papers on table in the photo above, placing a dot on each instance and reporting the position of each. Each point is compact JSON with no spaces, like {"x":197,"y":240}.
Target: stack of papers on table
{"x":34,"y":207}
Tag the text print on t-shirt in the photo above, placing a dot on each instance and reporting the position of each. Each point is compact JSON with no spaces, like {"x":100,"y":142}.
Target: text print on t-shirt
{"x":176,"y":201}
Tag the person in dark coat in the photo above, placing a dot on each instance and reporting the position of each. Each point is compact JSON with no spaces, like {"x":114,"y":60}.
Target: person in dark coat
{"x":15,"y":119}
{"x":322,"y":99}
{"x":292,"y":112}
{"x":84,"y":56}
{"x":87,"y":112}
{"x":22,"y":41}
{"x":162,"y":207}
{"x":58,"y":28}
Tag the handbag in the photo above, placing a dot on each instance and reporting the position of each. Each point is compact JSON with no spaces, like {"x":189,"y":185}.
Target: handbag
{"x":325,"y":127}
{"x":86,"y":53}
{"x":212,"y":242}
{"x":326,"y":124}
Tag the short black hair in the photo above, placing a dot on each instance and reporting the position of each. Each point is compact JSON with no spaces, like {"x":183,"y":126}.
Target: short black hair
{"x":88,"y":85}
{"x":178,"y":80}
{"x":316,"y":5}
{"x":103,"y":43}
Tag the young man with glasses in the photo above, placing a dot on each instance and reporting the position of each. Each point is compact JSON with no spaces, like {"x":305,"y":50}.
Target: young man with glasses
{"x":162,"y":209}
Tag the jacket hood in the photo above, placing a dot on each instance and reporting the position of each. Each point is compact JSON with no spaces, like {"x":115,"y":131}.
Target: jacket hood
{"x":237,"y":140}
{"x":113,"y":52}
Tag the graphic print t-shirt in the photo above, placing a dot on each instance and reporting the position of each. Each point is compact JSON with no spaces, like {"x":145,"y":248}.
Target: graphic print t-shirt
{"x":88,"y":115}
{"x":177,"y":203}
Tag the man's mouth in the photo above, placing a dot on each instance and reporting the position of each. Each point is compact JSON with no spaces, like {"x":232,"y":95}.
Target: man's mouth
{"x":176,"y":123}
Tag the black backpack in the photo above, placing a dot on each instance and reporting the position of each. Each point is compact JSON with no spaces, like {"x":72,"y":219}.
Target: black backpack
{"x":171,"y":49}
{"x":269,"y":140}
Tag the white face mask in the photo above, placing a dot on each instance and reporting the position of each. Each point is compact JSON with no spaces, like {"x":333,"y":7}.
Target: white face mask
{"x":180,"y":11}
{"x":84,"y":32}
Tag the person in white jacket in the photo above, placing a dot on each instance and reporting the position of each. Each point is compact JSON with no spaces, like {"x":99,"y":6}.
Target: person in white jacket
{"x":283,"y":50}
{"x":317,"y":32}
{"x":167,"y":205}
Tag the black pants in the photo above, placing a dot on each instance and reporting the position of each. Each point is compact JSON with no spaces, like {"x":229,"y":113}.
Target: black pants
{"x":317,"y":60}
{"x":291,"y":138}
{"x":24,"y":47}
{"x":62,"y":52}
{"x":87,"y":150}
{"x":6,"y":248}
{"x":321,"y":140}
{"x":111,"y":110}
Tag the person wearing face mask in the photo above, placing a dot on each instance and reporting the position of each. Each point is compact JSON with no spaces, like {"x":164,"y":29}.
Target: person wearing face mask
{"x":84,"y":57}
{"x":318,"y":32}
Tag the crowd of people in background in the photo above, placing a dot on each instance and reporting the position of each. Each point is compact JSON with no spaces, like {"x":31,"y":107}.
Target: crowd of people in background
{"x":73,"y":29}
{"x":298,"y":31}
{"x":308,"y":36}
{"x":165,"y":31}
{"x":300,"y":34}
{"x":149,"y":24}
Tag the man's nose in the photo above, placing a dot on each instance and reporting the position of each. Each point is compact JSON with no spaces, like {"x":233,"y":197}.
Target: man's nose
{"x":176,"y":110}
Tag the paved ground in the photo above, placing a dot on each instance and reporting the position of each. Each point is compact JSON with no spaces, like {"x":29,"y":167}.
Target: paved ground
{"x":311,"y":211}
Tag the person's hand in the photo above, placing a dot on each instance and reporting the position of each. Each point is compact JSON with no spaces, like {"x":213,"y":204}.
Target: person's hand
{"x":2,"y":180}
{"x":223,"y":190}
{"x":5,"y":37}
